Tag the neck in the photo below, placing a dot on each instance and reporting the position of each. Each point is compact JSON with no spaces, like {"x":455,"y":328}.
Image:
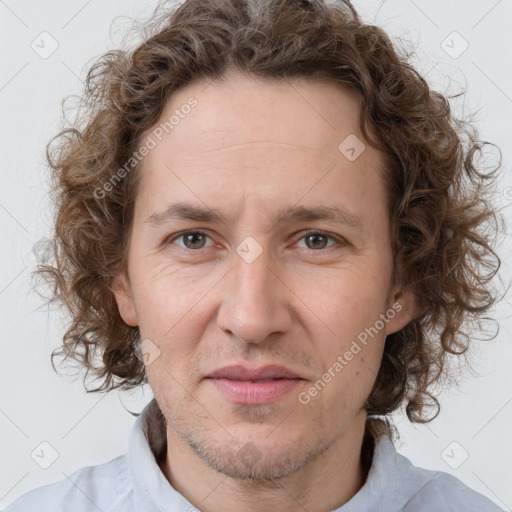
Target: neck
{"x":327,"y":483}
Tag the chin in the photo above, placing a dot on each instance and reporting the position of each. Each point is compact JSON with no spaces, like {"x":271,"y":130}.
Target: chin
{"x":252,"y":461}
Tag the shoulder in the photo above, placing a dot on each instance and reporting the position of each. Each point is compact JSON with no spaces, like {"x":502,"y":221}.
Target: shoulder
{"x":102,"y":487}
{"x":447,"y":493}
{"x":395,"y":484}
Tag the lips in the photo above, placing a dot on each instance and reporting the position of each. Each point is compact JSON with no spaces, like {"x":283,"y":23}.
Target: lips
{"x":242,"y":385}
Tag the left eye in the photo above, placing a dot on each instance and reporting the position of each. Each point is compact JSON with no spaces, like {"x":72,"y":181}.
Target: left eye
{"x":196,"y":240}
{"x":318,"y":239}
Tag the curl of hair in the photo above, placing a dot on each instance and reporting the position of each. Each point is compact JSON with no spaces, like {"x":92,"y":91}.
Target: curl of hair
{"x":443,"y":222}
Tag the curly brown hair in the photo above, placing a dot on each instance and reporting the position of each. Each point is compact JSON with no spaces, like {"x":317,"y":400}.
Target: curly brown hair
{"x":443,"y":221}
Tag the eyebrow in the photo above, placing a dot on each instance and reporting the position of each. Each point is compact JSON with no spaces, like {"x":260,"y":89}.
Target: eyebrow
{"x":187,"y":211}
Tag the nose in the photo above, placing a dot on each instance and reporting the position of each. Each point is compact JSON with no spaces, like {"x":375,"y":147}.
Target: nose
{"x":255,"y":301}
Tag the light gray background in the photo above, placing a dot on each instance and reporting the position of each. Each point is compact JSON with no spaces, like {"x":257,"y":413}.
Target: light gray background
{"x":36,"y":405}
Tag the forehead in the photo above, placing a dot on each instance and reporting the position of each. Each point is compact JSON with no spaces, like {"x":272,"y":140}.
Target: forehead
{"x":259,"y":140}
{"x":303,"y":114}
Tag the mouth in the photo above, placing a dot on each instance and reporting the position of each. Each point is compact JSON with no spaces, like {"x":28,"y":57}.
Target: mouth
{"x":242,"y":385}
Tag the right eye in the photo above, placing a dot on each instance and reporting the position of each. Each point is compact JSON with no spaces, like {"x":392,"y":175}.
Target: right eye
{"x":192,"y":240}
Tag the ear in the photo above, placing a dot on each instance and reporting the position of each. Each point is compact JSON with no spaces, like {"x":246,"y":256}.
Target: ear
{"x":402,"y":308}
{"x":124,"y":299}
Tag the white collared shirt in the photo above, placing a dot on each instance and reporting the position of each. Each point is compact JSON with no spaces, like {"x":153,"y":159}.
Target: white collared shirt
{"x":135,"y":483}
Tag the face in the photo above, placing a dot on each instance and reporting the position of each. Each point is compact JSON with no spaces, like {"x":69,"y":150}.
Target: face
{"x":264,"y":318}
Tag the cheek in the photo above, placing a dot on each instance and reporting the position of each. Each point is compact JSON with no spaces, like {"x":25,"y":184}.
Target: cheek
{"x":350,"y":374}
{"x":353,"y":338}
{"x":347,"y":303}
{"x":170,"y":306}
{"x":161,"y":285}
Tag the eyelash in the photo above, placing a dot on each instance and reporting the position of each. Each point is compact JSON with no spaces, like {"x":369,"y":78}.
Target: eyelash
{"x":337,"y":239}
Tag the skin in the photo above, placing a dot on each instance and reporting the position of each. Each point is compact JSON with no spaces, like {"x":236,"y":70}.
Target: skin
{"x":250,"y":148}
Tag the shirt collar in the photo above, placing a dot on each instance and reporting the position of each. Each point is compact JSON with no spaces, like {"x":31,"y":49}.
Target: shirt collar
{"x":390,"y":484}
{"x":147,"y":441}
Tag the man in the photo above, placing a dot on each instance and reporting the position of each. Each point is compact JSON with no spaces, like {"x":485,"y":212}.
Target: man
{"x":274,"y":218}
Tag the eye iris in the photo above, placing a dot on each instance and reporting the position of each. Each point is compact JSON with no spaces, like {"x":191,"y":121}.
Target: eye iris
{"x":315,"y":237}
{"x":191,"y":237}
